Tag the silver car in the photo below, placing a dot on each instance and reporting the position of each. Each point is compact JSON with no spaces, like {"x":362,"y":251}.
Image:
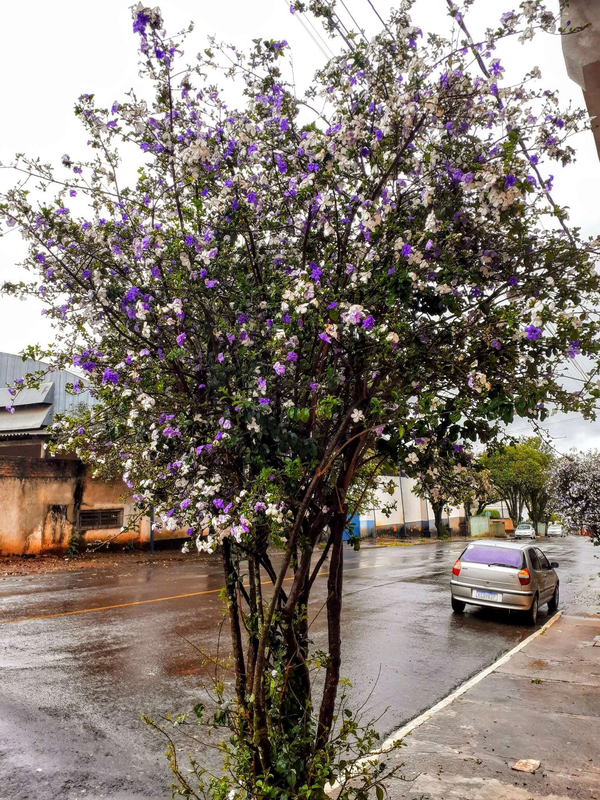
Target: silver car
{"x":513,"y":575}
{"x":525,"y":530}
{"x":555,"y":529}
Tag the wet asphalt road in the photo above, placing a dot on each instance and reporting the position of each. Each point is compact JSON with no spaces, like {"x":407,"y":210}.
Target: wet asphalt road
{"x":72,"y":687}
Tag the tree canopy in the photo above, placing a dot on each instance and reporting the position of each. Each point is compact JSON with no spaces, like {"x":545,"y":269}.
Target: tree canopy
{"x":519,"y":472}
{"x":574,"y":488}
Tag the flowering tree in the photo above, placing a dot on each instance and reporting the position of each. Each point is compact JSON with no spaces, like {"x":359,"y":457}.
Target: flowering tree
{"x":447,"y":475}
{"x":574,"y":487}
{"x":286,"y":298}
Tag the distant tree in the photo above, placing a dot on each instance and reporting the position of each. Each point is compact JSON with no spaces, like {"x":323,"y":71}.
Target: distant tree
{"x":446,"y":475}
{"x":574,"y":489}
{"x":493,"y":513}
{"x":519,"y":472}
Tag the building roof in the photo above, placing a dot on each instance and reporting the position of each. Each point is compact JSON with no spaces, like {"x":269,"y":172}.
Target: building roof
{"x":34,"y":408}
{"x":44,"y":393}
{"x":25,"y":419}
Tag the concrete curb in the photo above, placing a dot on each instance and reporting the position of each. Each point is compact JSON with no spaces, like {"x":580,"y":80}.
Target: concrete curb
{"x":409,"y":727}
{"x":415,"y":723}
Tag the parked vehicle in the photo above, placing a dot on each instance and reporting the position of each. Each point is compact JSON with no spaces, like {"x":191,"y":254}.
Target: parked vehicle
{"x":525,"y":530}
{"x":555,"y":529}
{"x":499,"y":574}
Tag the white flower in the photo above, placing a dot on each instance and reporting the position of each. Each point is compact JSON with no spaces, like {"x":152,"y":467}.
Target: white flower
{"x":357,"y":415}
{"x":146,"y":401}
{"x":392,"y":337}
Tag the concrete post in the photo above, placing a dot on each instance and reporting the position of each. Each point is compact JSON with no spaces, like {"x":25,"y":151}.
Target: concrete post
{"x":582,"y":55}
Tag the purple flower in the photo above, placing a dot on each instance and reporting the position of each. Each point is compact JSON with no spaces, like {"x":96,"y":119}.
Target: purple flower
{"x":264,"y":401}
{"x":573,"y":350}
{"x":109,"y":376}
{"x":220,"y":358}
{"x":292,"y":357}
{"x":495,"y":343}
{"x":512,"y":280}
{"x":510,"y":181}
{"x":170,"y":432}
{"x":533,"y":333}
{"x":406,"y":250}
{"x":181,"y":339}
{"x":278,"y":368}
{"x":325,"y":338}
{"x":140,"y":22}
{"x":368,"y":323}
{"x":185,"y":504}
{"x":314,"y":386}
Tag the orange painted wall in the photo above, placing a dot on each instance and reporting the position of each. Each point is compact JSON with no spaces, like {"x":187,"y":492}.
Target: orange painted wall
{"x":37,"y":505}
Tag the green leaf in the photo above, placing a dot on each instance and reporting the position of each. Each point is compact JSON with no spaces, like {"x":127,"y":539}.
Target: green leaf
{"x":379,"y":792}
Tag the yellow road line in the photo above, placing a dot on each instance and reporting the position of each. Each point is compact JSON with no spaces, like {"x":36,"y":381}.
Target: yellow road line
{"x":126,"y":605}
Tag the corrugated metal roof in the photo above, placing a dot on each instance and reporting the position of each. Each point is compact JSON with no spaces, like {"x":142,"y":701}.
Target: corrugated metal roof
{"x":13,"y":367}
{"x":31,"y":418}
{"x":29,"y":397}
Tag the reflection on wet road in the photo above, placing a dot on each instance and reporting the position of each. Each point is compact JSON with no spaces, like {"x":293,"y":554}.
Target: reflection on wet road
{"x":73,"y":686}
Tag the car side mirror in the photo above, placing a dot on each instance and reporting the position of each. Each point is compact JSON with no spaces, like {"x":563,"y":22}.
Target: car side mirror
{"x":554,"y":564}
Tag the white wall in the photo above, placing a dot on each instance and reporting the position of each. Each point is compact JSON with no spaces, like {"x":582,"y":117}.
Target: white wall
{"x":410,"y":509}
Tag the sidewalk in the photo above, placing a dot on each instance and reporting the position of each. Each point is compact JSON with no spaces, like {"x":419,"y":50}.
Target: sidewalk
{"x":542,"y":704}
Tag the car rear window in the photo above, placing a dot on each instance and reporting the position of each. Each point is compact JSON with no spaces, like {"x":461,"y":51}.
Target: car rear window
{"x":524,"y":526}
{"x":485,"y":554}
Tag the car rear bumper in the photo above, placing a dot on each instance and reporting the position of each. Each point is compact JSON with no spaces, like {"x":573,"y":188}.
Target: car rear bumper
{"x":511,"y":599}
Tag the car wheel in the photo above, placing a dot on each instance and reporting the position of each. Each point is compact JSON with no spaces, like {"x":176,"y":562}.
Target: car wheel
{"x":458,"y":606}
{"x":532,"y":614}
{"x":553,"y":602}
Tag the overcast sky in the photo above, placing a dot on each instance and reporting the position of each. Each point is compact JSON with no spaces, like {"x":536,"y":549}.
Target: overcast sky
{"x":51,"y":52}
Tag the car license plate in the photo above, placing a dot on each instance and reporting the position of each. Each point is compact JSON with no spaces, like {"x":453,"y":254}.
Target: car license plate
{"x":495,"y":597}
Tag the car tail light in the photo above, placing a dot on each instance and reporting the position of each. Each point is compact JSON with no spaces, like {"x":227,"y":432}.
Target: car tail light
{"x":524,"y":577}
{"x":456,"y":567}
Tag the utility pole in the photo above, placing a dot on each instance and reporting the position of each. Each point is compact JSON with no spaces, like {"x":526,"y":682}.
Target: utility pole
{"x":402,"y":503}
{"x":151,"y":529}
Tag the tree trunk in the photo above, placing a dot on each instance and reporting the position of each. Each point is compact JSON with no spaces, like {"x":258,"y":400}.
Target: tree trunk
{"x":231,"y":574}
{"x":334,"y":613}
{"x":438,"y":512}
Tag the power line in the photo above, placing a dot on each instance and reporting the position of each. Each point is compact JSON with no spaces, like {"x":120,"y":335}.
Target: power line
{"x":354,"y":21}
{"x":301,"y":21}
{"x":379,"y":17}
{"x":316,"y":30}
{"x":556,"y":422}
